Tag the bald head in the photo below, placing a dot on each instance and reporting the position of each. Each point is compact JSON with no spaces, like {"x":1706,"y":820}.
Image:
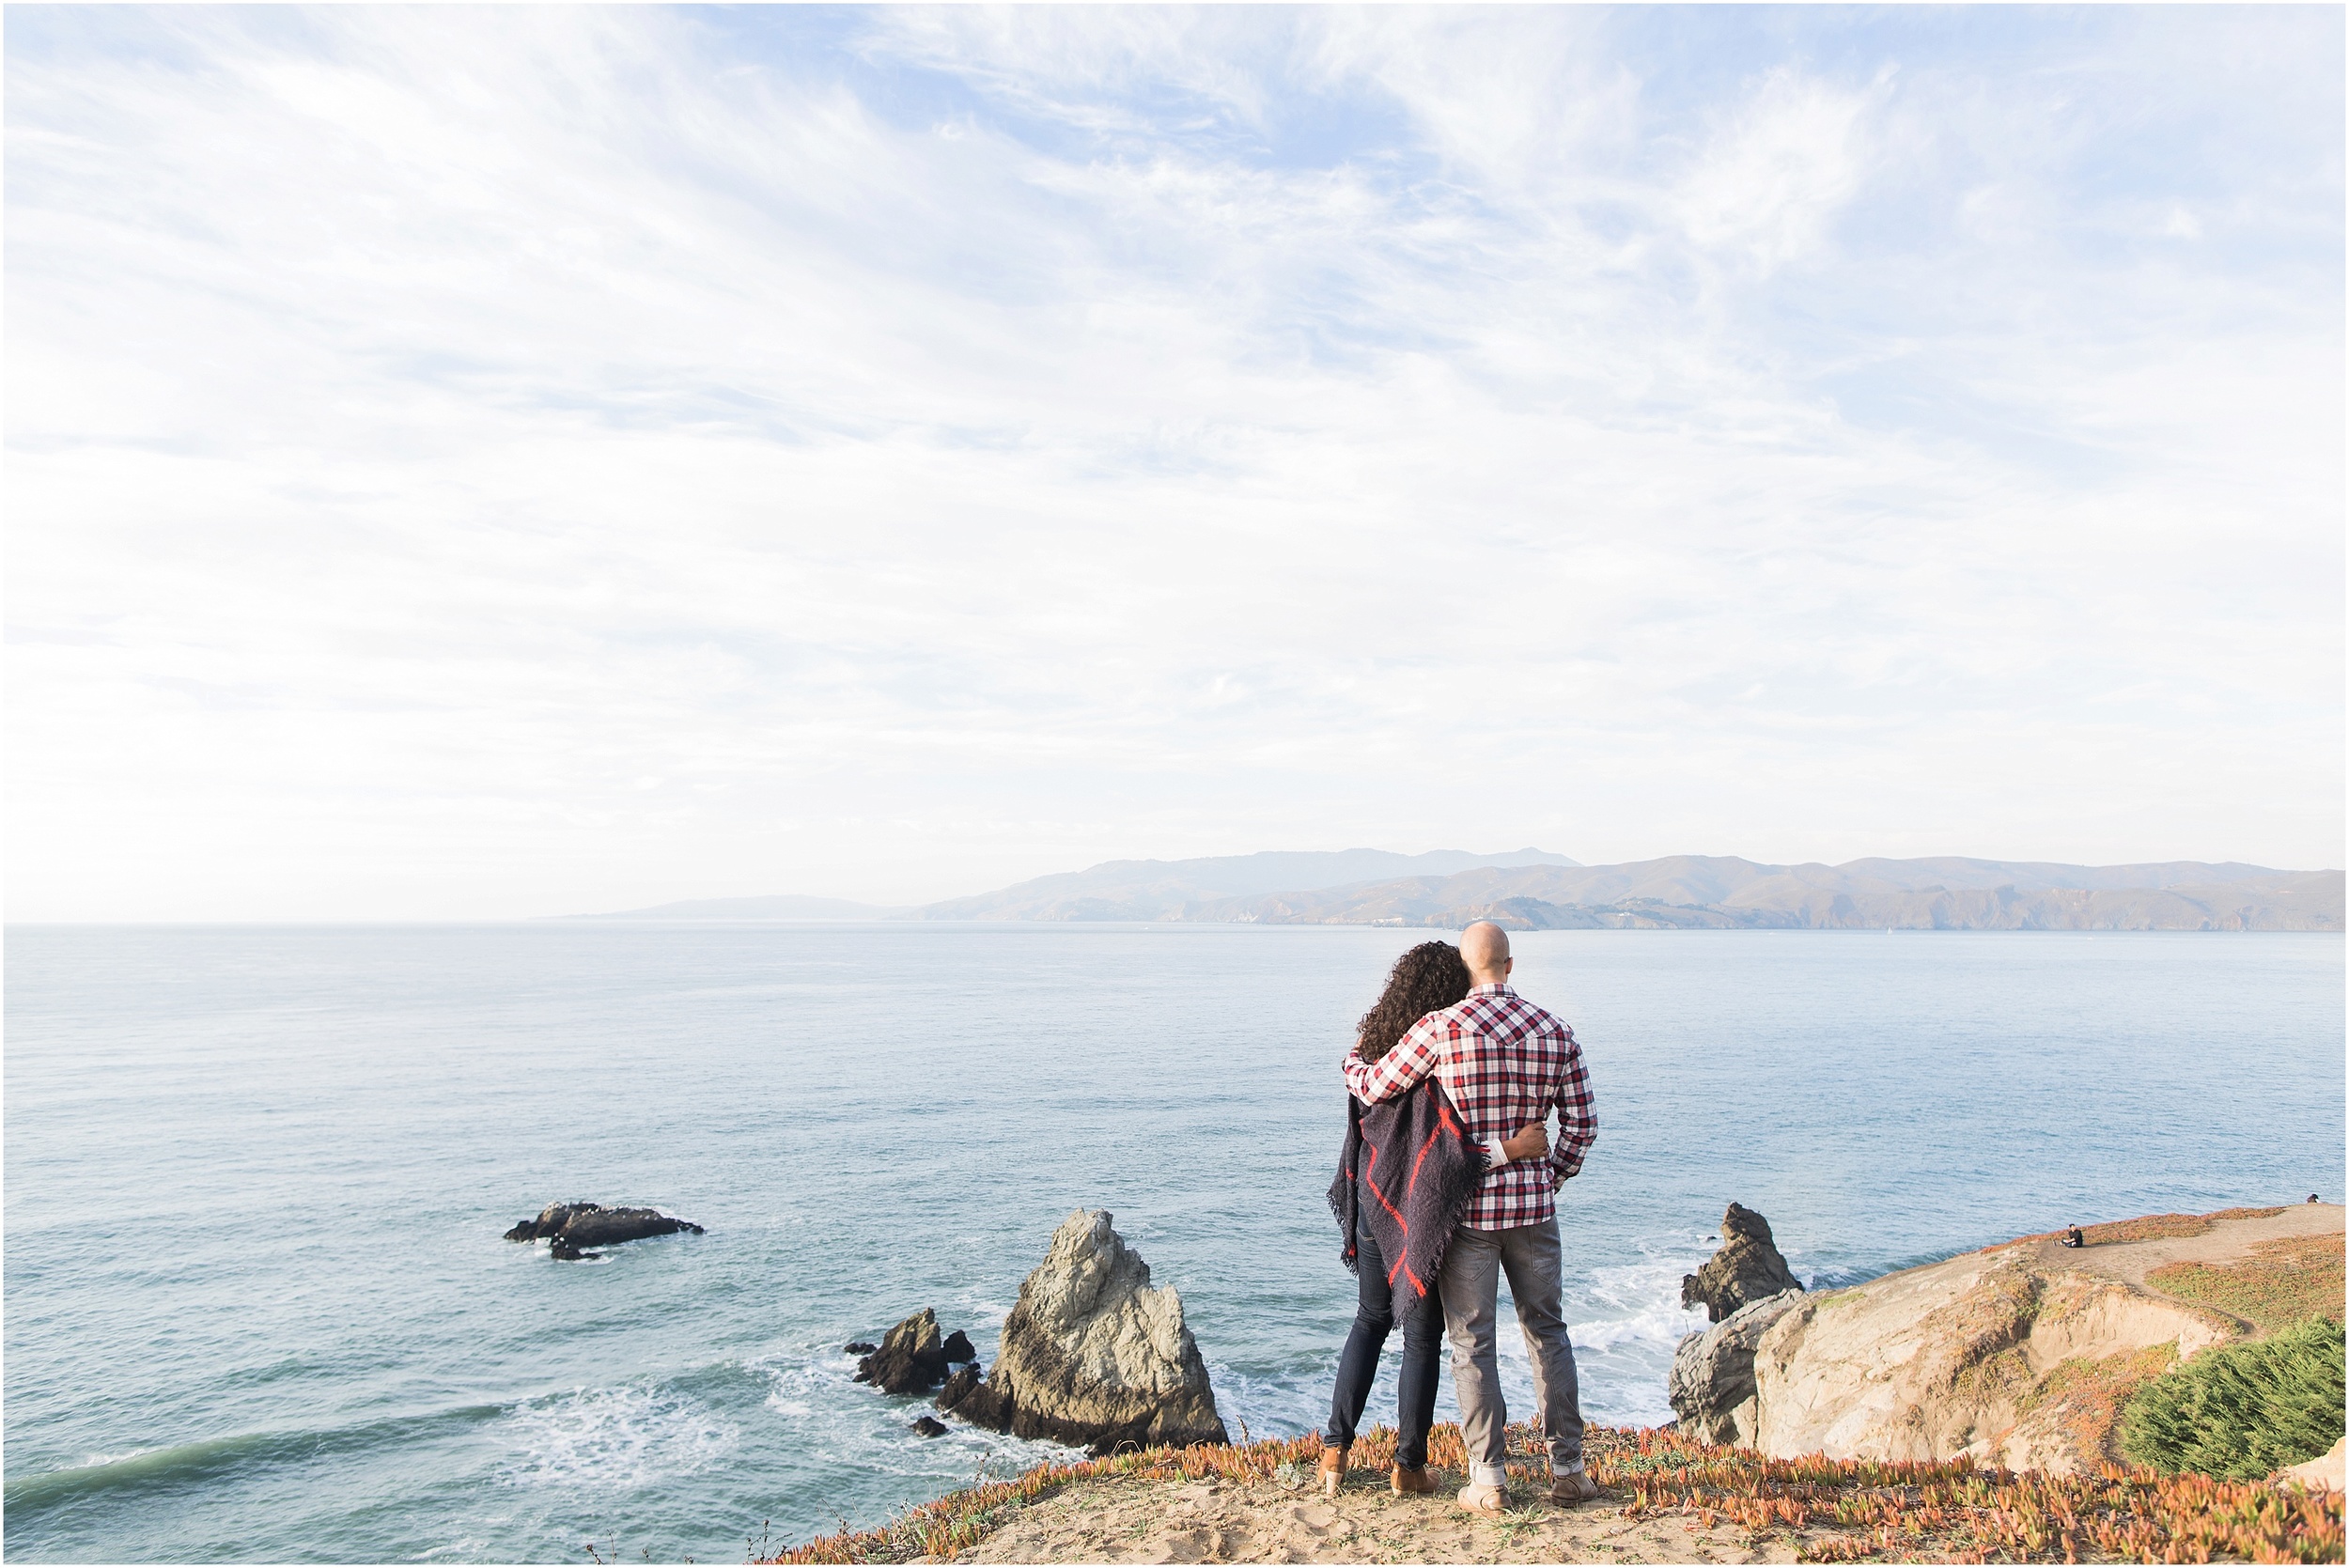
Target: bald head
{"x":1484,"y":949}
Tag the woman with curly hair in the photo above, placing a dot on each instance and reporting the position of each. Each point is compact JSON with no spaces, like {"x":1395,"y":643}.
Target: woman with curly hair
{"x":1427,"y":979}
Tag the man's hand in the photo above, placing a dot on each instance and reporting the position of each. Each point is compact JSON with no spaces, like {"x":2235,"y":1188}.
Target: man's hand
{"x":1563,"y":1178}
{"x":1532,"y":1141}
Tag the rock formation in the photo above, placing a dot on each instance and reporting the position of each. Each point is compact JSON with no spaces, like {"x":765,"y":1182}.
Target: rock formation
{"x":1747,"y":1269}
{"x":572,"y":1227}
{"x":1712,"y":1375}
{"x":928,"y":1426}
{"x":959,"y":1387}
{"x":1956,"y":1359}
{"x":2326,"y":1473}
{"x":910,"y":1360}
{"x":1093,"y":1355}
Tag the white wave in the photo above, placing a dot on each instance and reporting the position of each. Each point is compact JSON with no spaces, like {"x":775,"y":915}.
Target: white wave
{"x":841,"y":1422}
{"x":625,"y":1436}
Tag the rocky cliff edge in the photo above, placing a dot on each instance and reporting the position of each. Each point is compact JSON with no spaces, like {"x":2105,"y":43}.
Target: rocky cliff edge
{"x":2020,"y":1354}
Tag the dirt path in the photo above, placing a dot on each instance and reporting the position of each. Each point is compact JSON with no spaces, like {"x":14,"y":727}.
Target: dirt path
{"x":1224,"y":1521}
{"x":2227,"y":1241}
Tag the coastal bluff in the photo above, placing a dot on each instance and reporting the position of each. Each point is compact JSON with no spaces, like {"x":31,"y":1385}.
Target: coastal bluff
{"x":2022,"y":1355}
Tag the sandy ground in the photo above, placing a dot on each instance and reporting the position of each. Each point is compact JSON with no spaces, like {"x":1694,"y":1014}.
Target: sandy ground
{"x":2227,"y":1241}
{"x":1220,"y":1521}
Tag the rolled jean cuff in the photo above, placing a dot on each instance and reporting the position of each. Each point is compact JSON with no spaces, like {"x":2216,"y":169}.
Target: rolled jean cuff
{"x":1488,"y":1475}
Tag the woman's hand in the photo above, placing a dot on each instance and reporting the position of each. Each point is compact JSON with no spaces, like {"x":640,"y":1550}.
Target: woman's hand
{"x":1532,"y":1141}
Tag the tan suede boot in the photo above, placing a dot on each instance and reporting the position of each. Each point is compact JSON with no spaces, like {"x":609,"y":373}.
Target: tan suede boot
{"x":1332,"y":1470}
{"x":1409,"y":1482}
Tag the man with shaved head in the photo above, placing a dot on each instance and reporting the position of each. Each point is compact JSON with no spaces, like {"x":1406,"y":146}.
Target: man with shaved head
{"x":1505,"y":1063}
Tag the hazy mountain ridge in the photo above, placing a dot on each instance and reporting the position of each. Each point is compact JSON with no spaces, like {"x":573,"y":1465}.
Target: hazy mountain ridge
{"x":1941,"y":894}
{"x":1529,"y":889}
{"x":1170,"y":890}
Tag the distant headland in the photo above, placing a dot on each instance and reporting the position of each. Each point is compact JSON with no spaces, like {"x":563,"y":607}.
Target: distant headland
{"x":1532,"y":890}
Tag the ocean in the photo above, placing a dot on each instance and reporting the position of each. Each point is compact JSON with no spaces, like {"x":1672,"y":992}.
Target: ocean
{"x":258,"y":1305}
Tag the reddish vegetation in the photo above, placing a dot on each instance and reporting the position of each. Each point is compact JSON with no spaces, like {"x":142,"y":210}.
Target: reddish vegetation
{"x":1834,"y":1511}
{"x":2281,"y":1282}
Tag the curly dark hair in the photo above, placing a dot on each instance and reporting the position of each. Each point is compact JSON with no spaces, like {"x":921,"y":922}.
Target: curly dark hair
{"x":1428,"y":978}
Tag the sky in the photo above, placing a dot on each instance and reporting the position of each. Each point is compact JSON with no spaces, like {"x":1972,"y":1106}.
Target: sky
{"x":471,"y":462}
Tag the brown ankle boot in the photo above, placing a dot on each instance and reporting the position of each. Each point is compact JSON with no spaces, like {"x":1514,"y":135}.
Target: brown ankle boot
{"x":1408,"y":1482}
{"x":1332,"y":1470}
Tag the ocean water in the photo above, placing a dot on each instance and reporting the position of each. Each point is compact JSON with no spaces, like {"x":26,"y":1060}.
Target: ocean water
{"x":258,"y":1305}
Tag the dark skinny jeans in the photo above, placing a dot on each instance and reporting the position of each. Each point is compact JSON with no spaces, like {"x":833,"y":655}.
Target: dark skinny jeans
{"x":1358,"y":1367}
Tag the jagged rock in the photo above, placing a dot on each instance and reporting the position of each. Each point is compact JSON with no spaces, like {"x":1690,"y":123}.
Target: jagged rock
{"x":1747,"y":1269}
{"x":1712,"y":1377}
{"x":1093,"y":1355}
{"x":959,"y":1349}
{"x":567,"y":1251}
{"x":929,"y":1426}
{"x":580,"y":1225}
{"x":959,"y":1387}
{"x":859,"y":1347}
{"x":910,"y":1359}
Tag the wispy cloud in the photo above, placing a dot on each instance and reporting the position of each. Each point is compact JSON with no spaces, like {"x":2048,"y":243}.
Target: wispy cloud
{"x":474,"y":461}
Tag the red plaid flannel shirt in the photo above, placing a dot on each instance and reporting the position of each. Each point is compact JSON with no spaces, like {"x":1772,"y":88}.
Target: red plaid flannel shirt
{"x":1505,"y":1063}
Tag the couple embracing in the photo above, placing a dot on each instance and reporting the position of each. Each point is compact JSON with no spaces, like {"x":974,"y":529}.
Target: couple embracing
{"x":1446,"y":1184}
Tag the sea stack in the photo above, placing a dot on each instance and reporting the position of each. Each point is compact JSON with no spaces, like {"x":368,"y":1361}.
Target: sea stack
{"x":911,"y":1357}
{"x":573,"y":1226}
{"x":1093,"y":1355}
{"x":1748,"y":1267}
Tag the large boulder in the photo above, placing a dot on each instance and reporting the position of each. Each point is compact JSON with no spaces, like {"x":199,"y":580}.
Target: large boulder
{"x":1747,"y":1269}
{"x":1712,"y":1377}
{"x":573,"y":1226}
{"x":912,"y":1359}
{"x":1093,"y":1355}
{"x":2013,"y":1357}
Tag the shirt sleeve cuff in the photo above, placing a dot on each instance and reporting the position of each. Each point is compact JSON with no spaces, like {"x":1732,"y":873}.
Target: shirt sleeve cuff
{"x":1501,"y":1156}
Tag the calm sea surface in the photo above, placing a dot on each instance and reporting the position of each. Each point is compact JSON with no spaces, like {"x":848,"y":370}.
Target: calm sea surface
{"x":256,"y":1304}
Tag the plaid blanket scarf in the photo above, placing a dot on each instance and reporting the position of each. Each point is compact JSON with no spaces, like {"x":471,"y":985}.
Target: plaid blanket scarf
{"x":1410,"y":1171}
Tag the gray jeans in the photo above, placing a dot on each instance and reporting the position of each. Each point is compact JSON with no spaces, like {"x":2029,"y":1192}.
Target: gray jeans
{"x":1471,"y":1275}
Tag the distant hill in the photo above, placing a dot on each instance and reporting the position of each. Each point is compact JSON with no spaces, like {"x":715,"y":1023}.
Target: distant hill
{"x":1169,"y":890}
{"x":1532,"y":890}
{"x":1939,"y":894}
{"x":784,"y":906}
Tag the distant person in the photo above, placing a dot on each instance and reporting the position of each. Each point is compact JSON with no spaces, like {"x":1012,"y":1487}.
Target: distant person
{"x":1395,"y":1229}
{"x":2311,"y":1197}
{"x":2072,"y":1236}
{"x":1505,"y":1062}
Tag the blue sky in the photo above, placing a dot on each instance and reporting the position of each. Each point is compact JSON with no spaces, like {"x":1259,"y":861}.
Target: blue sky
{"x":473,"y":462}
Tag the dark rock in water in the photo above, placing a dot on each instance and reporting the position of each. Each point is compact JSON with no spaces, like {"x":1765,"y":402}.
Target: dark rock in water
{"x":1712,"y":1387}
{"x":859,"y":1347}
{"x":1748,"y":1267}
{"x":959,"y":1387}
{"x":568,"y":1250}
{"x":958,"y":1348}
{"x":929,"y":1426}
{"x":579,"y":1225}
{"x":1093,"y":1355}
{"x":909,"y":1360}
{"x":549,"y":1224}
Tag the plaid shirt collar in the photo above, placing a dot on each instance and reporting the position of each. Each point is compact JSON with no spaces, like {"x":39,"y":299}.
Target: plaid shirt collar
{"x":1502,"y":989}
